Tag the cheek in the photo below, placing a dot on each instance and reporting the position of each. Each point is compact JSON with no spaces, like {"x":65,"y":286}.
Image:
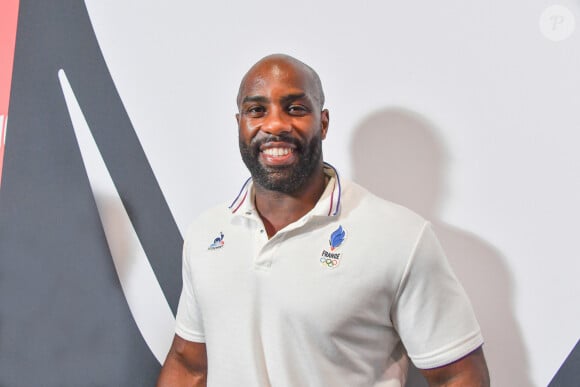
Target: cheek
{"x":310,"y":129}
{"x":251,"y":127}
{"x":246,"y":130}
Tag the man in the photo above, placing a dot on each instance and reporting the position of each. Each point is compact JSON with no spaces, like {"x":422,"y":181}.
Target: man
{"x":307,"y":279}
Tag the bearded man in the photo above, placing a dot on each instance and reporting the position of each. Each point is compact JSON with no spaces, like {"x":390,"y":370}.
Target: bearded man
{"x":307,"y":279}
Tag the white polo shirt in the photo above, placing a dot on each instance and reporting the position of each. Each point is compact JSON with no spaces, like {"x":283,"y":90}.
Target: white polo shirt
{"x":340,"y":297}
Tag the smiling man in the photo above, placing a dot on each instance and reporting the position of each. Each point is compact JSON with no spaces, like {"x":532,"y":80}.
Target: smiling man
{"x":307,"y":279}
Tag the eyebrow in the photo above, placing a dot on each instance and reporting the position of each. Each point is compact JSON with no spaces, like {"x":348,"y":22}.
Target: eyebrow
{"x":292,"y":97}
{"x":256,"y":98}
{"x":261,"y":99}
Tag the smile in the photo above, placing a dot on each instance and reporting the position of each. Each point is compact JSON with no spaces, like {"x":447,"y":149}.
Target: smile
{"x":277,"y":152}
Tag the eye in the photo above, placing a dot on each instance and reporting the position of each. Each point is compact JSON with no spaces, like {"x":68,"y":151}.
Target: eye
{"x":255,"y":111}
{"x":298,"y":110}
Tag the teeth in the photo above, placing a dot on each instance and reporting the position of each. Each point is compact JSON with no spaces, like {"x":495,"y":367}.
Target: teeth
{"x":276,"y":152}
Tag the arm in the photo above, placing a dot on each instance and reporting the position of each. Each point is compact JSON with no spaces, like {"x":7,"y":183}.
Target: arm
{"x":470,"y":370}
{"x":185,"y":365}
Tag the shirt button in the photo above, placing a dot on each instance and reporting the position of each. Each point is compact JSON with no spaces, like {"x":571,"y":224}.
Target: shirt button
{"x":262,"y":231}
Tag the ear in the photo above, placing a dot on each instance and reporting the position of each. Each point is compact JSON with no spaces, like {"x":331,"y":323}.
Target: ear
{"x":324,"y":121}
{"x":238,"y":118}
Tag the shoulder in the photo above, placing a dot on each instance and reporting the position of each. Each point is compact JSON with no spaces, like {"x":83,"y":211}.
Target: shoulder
{"x":211,"y":221}
{"x":360,"y":204}
{"x":383,"y":231}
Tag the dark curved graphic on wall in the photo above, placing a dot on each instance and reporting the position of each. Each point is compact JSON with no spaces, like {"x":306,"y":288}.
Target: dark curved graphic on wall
{"x":64,"y":318}
{"x":569,"y":374}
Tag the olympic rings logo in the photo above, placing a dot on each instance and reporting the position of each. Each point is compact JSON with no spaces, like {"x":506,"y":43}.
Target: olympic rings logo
{"x":331,"y":263}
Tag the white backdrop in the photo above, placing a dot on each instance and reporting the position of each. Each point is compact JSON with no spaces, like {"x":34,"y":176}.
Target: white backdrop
{"x":463,"y":111}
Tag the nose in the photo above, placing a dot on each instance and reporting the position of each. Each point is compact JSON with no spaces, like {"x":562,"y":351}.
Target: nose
{"x":276,"y":122}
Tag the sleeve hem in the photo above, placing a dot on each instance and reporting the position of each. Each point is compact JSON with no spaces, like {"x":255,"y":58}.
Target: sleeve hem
{"x":190,"y":336}
{"x":450,"y":353}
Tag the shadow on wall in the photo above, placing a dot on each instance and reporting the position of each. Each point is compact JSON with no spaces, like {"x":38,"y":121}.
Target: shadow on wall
{"x":398,"y":156}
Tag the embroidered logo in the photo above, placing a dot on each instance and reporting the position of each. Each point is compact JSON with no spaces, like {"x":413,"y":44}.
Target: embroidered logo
{"x":217,"y":243}
{"x":331,"y":259}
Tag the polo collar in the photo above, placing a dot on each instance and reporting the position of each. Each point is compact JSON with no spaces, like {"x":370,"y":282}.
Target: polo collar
{"x":328,"y":204}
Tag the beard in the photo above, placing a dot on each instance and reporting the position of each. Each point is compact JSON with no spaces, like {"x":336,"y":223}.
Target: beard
{"x":286,"y":179}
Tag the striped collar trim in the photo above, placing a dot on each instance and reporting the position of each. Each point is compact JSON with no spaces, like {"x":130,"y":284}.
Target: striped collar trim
{"x":244,"y":197}
{"x":336,"y":194}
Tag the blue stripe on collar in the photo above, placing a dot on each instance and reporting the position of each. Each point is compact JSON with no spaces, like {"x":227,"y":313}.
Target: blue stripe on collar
{"x":240,"y":198}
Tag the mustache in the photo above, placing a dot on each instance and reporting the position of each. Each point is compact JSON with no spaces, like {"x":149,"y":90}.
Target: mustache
{"x":257,"y":142}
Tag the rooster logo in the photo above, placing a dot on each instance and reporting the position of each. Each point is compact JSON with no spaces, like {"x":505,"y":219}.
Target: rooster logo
{"x":217,"y":242}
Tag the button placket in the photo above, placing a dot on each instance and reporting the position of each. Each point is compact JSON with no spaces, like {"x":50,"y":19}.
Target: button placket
{"x":267,"y":248}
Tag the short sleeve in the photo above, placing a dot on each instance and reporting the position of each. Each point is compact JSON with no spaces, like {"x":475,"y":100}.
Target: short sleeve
{"x":432,"y":313}
{"x":189,"y":324}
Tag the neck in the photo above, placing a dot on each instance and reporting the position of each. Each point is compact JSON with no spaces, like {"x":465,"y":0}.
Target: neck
{"x":278,"y":209}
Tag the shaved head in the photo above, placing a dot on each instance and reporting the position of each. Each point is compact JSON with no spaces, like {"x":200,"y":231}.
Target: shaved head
{"x":281,"y":124}
{"x":278,"y":64}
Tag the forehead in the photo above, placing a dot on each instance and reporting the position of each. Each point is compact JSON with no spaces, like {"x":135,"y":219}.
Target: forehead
{"x":270,"y":78}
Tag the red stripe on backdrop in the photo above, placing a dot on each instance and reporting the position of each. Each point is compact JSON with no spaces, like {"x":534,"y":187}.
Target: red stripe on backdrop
{"x":8,"y":21}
